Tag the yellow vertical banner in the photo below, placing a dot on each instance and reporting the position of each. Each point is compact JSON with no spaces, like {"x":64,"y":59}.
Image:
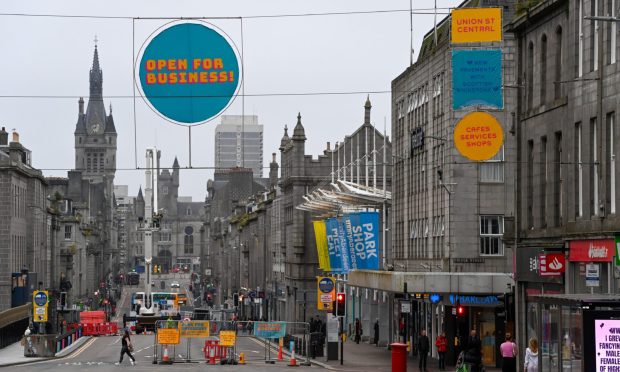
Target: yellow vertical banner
{"x":320,"y":235}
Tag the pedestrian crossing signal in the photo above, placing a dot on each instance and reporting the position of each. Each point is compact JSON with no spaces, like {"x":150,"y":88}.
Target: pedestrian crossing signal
{"x":460,"y":310}
{"x":340,"y":304}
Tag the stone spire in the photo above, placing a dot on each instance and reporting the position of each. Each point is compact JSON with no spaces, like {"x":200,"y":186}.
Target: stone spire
{"x":299,"y":133}
{"x":367,"y":108}
{"x":96,"y":78}
{"x":285,"y":139}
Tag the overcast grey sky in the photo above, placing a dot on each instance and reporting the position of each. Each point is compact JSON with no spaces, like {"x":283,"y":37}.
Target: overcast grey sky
{"x":45,"y":65}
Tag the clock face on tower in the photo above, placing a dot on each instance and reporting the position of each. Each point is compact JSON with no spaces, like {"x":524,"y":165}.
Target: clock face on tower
{"x":94,"y":129}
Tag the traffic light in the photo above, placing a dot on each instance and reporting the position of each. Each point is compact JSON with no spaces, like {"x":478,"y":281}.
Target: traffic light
{"x":63,"y":300}
{"x":340,"y":304}
{"x":460,"y":310}
{"x":236,"y":299}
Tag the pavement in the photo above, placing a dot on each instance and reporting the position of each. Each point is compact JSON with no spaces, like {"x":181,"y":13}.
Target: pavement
{"x":366,"y":357}
{"x":13,"y":355}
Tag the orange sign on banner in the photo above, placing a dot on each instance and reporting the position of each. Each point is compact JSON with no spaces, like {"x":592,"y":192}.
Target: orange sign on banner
{"x":478,"y":136}
{"x":476,"y":25}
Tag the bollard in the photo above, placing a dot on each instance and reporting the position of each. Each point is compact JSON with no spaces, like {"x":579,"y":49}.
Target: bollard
{"x":399,"y":357}
{"x":242,"y":358}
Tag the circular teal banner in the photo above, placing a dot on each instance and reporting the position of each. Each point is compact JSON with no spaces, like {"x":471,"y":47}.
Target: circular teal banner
{"x":189,"y":72}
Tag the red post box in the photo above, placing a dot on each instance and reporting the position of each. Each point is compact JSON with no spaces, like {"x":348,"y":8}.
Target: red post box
{"x":399,"y":357}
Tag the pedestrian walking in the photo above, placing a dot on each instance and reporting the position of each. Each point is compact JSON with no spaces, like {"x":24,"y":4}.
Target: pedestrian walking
{"x":473,"y":355}
{"x":377,"y":332}
{"x":126,"y":348}
{"x":531,"y":356}
{"x":508,"y":350}
{"x":358,"y":330}
{"x":424,"y":347}
{"x":442,"y":346}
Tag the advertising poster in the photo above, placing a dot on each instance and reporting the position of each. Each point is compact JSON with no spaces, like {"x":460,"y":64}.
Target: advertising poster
{"x":343,"y":247}
{"x":478,"y":136}
{"x":477,"y":78}
{"x":362,"y":235}
{"x":607,"y":349}
{"x":476,"y":25}
{"x":326,"y":292}
{"x":189,"y":71}
{"x":333,"y":246}
{"x":270,"y":329}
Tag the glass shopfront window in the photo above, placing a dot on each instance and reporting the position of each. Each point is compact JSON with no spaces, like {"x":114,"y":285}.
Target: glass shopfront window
{"x":571,"y":337}
{"x":550,"y":336}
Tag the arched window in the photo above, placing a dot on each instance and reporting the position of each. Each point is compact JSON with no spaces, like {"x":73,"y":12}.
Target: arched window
{"x":543,"y":69}
{"x":188,"y":240}
{"x":530,"y":75}
{"x":557,"y":78}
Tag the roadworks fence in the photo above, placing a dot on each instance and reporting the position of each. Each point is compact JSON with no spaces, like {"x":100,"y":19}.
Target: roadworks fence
{"x":232,"y":342}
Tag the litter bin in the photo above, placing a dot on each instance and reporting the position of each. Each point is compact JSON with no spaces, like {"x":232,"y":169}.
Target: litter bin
{"x":399,"y":357}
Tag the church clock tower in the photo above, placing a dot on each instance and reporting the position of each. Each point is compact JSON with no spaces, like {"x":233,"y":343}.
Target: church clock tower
{"x":95,"y":134}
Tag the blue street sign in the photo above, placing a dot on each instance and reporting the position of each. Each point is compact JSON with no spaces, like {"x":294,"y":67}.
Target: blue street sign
{"x":40,"y":298}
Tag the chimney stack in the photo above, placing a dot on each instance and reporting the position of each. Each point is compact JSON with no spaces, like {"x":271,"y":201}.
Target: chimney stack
{"x":4,"y":137}
{"x":81,"y":106}
{"x":15,"y":136}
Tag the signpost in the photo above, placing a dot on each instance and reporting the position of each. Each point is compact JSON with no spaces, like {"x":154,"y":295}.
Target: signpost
{"x":40,"y":305}
{"x":326,"y":292}
{"x":227,"y":338}
{"x":195,"y":329}
{"x":168,"y":336}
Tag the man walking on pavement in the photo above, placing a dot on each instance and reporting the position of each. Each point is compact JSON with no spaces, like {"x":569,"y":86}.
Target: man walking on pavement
{"x":423,"y":349}
{"x":377,"y":332}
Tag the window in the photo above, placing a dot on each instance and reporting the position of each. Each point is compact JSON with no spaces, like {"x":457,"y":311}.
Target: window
{"x":492,"y":170}
{"x":68,"y":232}
{"x":491,"y":231}
{"x":544,"y":174}
{"x":189,"y":211}
{"x":594,"y":167}
{"x":188,"y":240}
{"x":164,"y":190}
{"x":558,"y":63}
{"x":543,"y":69}
{"x":580,"y":36}
{"x":594,"y":36}
{"x":611,"y":31}
{"x":611,"y":163}
{"x":530,"y":184}
{"x":578,"y":168}
{"x":557,"y":180}
{"x":530,"y":76}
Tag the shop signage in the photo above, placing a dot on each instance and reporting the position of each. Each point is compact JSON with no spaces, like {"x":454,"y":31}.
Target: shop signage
{"x":417,"y":138}
{"x":270,"y":329}
{"x":552,"y":264}
{"x":477,"y":78}
{"x":528,"y":265}
{"x":326,"y":292}
{"x":490,"y":300}
{"x":189,"y":71}
{"x":478,"y":136}
{"x":476,"y":25}
{"x":592,"y":275}
{"x":469,"y":260}
{"x":596,"y":250}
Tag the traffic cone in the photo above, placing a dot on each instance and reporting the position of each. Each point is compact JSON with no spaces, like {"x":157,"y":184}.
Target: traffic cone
{"x":293,"y":362}
{"x":165,"y":358}
{"x":280,"y":357}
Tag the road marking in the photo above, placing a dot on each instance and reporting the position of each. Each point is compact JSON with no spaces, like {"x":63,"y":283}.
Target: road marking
{"x":81,"y":350}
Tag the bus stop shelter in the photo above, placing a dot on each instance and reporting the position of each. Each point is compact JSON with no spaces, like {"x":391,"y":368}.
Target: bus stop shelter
{"x":576,"y":332}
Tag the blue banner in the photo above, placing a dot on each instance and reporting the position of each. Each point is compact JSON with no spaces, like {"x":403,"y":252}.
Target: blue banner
{"x":362,"y":233}
{"x":333,"y":245}
{"x":270,"y":329}
{"x":344,"y":251}
{"x":477,"y":78}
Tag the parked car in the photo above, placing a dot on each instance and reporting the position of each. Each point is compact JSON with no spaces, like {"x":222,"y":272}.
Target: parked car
{"x":175,"y":285}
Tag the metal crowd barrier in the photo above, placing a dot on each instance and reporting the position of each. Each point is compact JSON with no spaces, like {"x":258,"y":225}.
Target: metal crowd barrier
{"x":221,"y":339}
